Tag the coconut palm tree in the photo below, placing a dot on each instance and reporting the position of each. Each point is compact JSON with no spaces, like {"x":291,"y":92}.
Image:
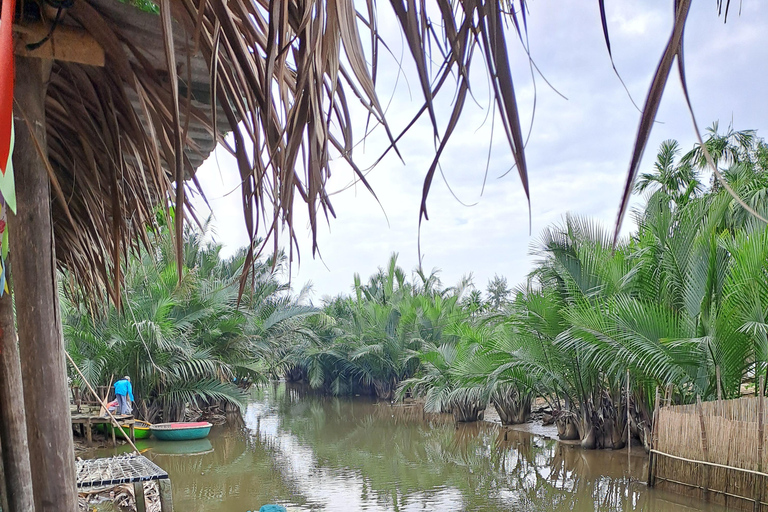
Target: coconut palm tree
{"x":185,"y":342}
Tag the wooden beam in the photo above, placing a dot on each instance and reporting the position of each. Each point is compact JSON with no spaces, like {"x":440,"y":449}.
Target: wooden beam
{"x":166,"y":495}
{"x":69,"y":44}
{"x":13,"y":425}
{"x":41,"y":345}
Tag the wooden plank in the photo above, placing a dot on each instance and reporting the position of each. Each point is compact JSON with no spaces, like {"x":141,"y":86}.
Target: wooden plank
{"x":13,"y":424}
{"x":41,"y":345}
{"x":69,"y":44}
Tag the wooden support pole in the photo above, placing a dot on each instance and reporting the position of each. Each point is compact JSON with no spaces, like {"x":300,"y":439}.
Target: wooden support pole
{"x":41,"y":347}
{"x":3,"y":490}
{"x":13,"y":427}
{"x":166,"y":495}
{"x":138,"y":494}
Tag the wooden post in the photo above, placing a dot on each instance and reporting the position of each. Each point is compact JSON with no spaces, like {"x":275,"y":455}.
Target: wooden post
{"x":89,"y":432}
{"x":133,"y":432}
{"x":41,"y":347}
{"x":138,"y":494}
{"x":3,"y":490}
{"x":704,"y":448}
{"x":115,"y":426}
{"x":13,"y":426}
{"x":166,"y":495}
{"x":654,"y":429}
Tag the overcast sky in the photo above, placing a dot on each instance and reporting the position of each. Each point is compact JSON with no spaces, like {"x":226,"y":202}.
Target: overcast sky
{"x":577,"y":156}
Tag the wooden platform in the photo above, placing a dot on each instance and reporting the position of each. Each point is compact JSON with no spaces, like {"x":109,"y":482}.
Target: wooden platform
{"x":88,"y":420}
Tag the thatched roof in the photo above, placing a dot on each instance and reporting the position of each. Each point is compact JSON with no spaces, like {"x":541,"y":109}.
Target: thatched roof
{"x":110,"y":131}
{"x":284,"y":72}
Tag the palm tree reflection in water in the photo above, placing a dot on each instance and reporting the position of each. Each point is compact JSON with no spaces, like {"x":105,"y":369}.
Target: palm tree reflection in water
{"x":319,"y":453}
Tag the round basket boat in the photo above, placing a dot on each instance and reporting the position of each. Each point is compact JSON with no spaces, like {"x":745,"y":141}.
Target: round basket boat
{"x":140,"y":430}
{"x":181,"y":431}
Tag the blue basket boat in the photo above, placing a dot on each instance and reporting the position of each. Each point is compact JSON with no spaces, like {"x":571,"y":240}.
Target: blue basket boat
{"x":181,"y":431}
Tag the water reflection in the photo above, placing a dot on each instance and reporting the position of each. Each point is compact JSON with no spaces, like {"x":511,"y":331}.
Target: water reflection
{"x":318,"y":453}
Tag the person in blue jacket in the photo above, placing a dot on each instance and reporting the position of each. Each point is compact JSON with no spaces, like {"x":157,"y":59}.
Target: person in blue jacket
{"x":124,"y":393}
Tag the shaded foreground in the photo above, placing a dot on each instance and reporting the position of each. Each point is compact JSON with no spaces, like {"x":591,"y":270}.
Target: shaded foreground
{"x":319,"y":453}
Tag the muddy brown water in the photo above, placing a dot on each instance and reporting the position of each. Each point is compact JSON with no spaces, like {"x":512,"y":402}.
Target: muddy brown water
{"x":309,"y":452}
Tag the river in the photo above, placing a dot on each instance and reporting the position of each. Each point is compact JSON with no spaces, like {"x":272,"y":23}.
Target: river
{"x":310,"y":452}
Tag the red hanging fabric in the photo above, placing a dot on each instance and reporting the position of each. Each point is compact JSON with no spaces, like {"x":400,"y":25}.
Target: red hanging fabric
{"x":6,"y":80}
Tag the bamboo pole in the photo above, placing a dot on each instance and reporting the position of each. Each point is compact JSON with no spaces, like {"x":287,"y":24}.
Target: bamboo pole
{"x":13,"y":427}
{"x":760,"y":482}
{"x":41,"y":345}
{"x":710,"y":464}
{"x":629,"y":438}
{"x":704,"y":448}
{"x":651,"y":454}
{"x":102,"y":400}
{"x":719,"y":390}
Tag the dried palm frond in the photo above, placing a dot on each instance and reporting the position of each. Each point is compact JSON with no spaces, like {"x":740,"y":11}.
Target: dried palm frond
{"x":281,"y":76}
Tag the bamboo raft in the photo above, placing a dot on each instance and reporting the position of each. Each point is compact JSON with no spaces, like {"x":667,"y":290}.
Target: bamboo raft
{"x":96,"y":474}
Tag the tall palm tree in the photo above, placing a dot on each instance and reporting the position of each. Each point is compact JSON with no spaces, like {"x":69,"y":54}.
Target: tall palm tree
{"x":678,"y":180}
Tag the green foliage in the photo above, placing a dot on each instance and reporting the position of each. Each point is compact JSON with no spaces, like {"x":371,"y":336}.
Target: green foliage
{"x":143,"y":5}
{"x":681,"y":298}
{"x":187,"y":342}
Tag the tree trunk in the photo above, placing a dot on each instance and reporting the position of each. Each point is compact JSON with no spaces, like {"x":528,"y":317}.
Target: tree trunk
{"x":466,"y":411}
{"x":13,"y":427}
{"x":566,"y":427}
{"x":41,"y":346}
{"x":384,"y":390}
{"x":512,"y":406}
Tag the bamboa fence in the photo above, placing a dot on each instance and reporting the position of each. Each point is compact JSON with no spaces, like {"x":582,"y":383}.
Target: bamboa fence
{"x":714,"y":450}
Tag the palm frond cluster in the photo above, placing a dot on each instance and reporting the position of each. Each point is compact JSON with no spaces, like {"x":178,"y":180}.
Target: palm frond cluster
{"x":122,"y":138}
{"x":679,"y":302}
{"x":191,"y":342}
